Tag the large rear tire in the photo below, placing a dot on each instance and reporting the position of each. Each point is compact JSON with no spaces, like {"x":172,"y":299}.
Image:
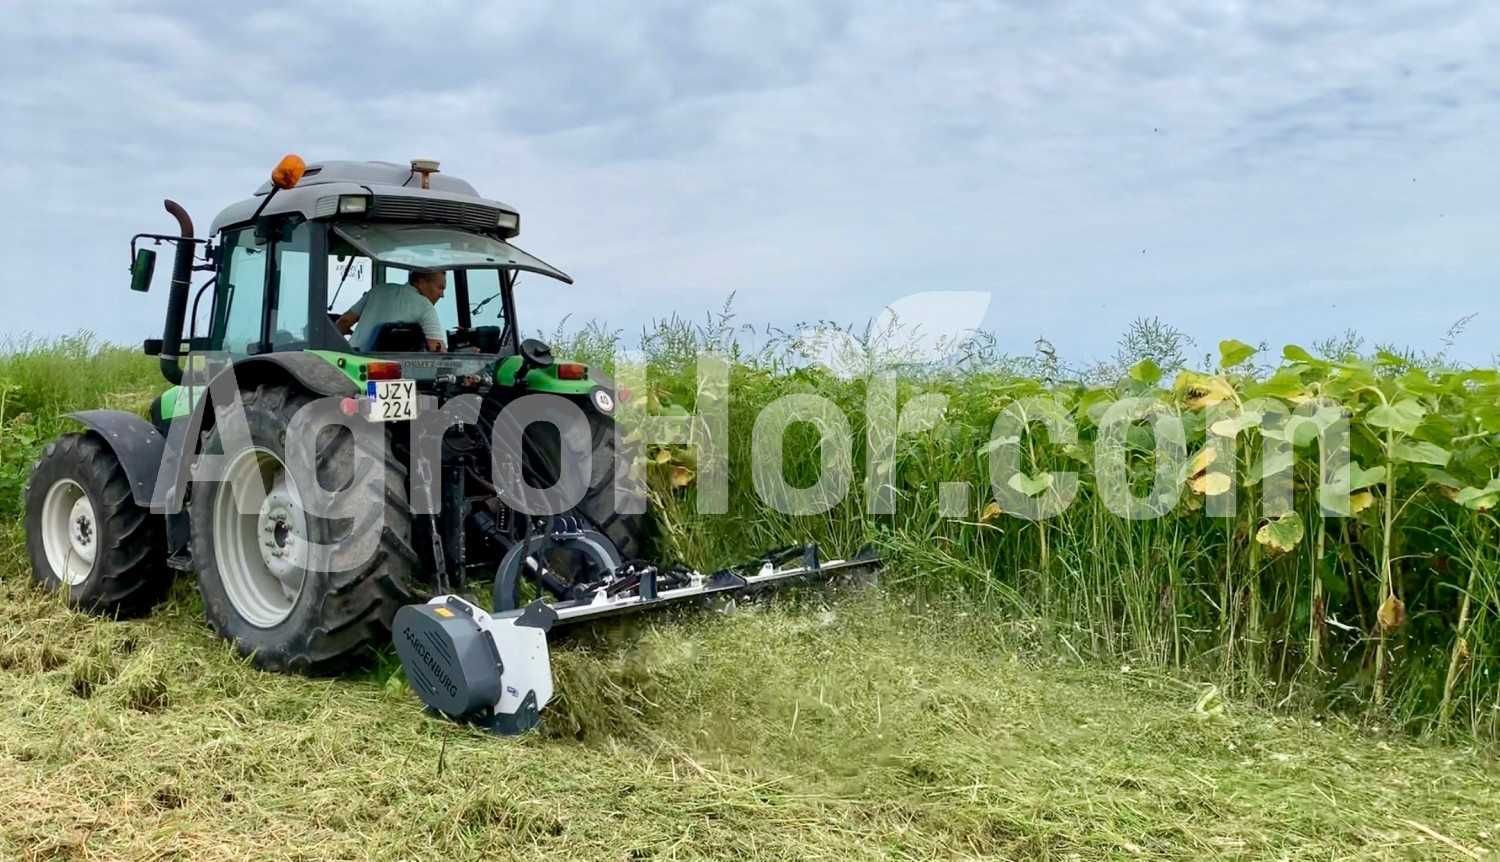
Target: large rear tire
{"x":275,"y":579}
{"x":85,"y":534}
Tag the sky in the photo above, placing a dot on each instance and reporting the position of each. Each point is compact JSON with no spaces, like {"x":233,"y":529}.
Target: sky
{"x":1266,"y":171}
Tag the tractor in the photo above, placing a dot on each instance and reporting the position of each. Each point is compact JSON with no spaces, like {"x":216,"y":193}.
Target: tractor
{"x":334,"y":495}
{"x":114,"y":510}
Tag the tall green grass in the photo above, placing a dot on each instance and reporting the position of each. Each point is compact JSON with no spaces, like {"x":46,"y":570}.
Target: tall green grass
{"x":1393,"y":611}
{"x":43,"y":379}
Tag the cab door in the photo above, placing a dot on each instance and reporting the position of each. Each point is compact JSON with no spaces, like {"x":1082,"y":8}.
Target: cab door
{"x":239,"y":304}
{"x":268,"y":278}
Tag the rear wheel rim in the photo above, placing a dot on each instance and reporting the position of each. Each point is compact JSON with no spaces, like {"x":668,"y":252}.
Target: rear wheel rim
{"x":70,"y":532}
{"x":260,"y":538}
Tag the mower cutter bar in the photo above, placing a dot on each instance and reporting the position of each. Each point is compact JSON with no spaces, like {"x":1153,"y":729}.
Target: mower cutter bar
{"x":725,"y":581}
{"x":494,"y":670}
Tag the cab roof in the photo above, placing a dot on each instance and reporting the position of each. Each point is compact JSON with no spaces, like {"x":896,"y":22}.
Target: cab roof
{"x":396,"y":187}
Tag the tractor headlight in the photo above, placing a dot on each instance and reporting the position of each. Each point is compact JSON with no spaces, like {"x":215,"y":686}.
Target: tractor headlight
{"x":353,"y":204}
{"x":508,"y":222}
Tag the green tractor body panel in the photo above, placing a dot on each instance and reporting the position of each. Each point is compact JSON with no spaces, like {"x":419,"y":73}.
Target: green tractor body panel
{"x":541,"y":379}
{"x":176,"y":402}
{"x":537,"y":380}
{"x":351,"y":364}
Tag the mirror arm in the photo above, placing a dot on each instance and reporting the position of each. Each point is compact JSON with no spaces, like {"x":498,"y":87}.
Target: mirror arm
{"x":267,"y":199}
{"x":525,"y":368}
{"x":158,"y":239}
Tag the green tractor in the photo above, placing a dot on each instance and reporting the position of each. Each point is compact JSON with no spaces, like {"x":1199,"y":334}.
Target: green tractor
{"x":113,"y":511}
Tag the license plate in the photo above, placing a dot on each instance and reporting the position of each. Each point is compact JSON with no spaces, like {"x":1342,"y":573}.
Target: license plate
{"x":392,"y":400}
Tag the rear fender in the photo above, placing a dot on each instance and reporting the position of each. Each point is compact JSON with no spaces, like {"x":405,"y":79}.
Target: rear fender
{"x":309,"y":371}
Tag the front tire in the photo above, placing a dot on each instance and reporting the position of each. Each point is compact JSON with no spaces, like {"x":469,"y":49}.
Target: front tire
{"x":87,"y":537}
{"x":274,"y":578}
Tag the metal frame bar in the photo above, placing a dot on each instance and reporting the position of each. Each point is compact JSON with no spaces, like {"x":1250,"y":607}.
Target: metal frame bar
{"x":723,"y":582}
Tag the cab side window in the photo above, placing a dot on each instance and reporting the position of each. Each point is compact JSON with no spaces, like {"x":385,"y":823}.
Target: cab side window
{"x":246,"y":277}
{"x":485,"y":305}
{"x":242,"y":290}
{"x":294,"y":273}
{"x":349,"y":278}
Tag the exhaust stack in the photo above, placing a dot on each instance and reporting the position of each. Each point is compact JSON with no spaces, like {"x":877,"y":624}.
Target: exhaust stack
{"x":177,"y":295}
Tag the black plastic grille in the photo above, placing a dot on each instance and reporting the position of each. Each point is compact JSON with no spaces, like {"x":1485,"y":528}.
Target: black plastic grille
{"x":419,"y":210}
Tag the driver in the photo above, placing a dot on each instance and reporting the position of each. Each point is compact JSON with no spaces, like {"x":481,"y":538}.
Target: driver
{"x":398,"y":303}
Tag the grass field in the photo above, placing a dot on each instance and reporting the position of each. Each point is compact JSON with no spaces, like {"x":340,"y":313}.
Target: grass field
{"x":1053,"y":701}
{"x":823,"y":727}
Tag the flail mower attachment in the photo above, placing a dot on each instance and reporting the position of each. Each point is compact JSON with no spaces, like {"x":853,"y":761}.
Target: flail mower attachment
{"x":493,"y":670}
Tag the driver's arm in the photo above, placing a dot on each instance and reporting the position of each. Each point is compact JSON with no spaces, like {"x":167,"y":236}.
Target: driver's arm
{"x":432,"y":329}
{"x":346,"y":321}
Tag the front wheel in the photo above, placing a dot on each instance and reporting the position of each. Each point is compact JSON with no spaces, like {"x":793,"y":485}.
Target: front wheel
{"x":87,"y":537}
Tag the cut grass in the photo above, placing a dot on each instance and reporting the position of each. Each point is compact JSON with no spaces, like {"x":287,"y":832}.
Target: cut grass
{"x":807,"y":729}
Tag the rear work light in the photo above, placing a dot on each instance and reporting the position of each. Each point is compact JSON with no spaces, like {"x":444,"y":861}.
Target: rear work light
{"x":382,"y":370}
{"x":572,"y":371}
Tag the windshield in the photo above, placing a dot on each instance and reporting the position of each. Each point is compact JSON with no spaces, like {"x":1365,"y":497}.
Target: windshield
{"x":418,"y":247}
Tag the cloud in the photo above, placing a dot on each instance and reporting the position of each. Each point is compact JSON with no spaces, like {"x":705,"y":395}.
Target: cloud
{"x":1218,"y":165}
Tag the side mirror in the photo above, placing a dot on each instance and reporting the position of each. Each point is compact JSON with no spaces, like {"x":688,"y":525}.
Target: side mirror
{"x":534,"y":354}
{"x":141,"y":270}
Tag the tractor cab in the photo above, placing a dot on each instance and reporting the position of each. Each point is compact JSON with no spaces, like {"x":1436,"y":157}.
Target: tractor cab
{"x":291,"y":260}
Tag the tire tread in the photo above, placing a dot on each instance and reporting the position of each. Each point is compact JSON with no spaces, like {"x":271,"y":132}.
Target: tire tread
{"x":131,"y":576}
{"x":354,"y":612}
